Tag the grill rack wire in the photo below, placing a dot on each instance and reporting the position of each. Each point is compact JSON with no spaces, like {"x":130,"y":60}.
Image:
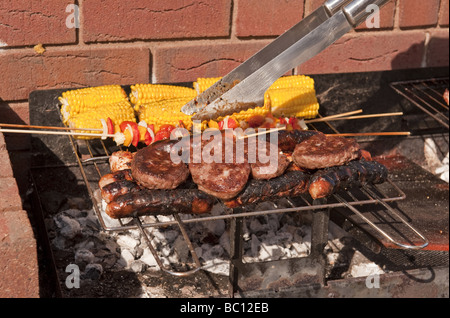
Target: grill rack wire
{"x":427,"y":95}
{"x":373,"y":196}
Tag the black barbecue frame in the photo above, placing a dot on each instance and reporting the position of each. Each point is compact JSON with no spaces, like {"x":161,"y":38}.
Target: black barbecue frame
{"x":310,"y":269}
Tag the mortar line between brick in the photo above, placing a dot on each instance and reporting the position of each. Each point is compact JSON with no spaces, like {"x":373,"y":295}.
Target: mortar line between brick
{"x":396,"y":16}
{"x":233,"y":20}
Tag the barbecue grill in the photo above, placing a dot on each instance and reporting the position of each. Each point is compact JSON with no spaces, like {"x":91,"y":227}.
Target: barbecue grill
{"x":375,"y":215}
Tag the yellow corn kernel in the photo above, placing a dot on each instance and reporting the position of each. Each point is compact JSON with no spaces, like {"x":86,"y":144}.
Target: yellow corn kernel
{"x":166,"y":111}
{"x":300,"y":102}
{"x":246,"y":114}
{"x":145,"y":93}
{"x":118,"y":112}
{"x":80,"y":100}
{"x":293,"y":81}
{"x":203,"y":83}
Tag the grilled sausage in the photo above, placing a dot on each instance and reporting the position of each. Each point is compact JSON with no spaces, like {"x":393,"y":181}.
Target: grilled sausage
{"x":355,"y":174}
{"x":115,"y":176}
{"x":111,"y":191}
{"x":160,"y":202}
{"x":290,"y":184}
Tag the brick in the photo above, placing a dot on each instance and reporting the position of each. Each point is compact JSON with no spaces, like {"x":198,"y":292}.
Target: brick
{"x":111,"y":20}
{"x":16,"y":113}
{"x":438,"y":48}
{"x":26,"y":71}
{"x":387,"y":14}
{"x":187,"y":63}
{"x":443,"y":16}
{"x":19,"y":269}
{"x":24,"y":22}
{"x":312,"y":5}
{"x":267,"y":17}
{"x":365,"y":52}
{"x":418,"y":13}
{"x":9,"y":195}
{"x":5,"y":164}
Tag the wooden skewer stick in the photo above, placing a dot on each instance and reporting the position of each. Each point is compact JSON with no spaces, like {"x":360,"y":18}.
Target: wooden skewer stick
{"x":43,"y":132}
{"x":262,"y":132}
{"x":395,"y":133}
{"x":48,"y":127}
{"x":359,"y":117}
{"x":333,"y":116}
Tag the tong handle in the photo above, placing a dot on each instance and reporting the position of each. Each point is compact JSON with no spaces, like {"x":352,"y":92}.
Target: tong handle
{"x":334,"y":6}
{"x":356,"y":12}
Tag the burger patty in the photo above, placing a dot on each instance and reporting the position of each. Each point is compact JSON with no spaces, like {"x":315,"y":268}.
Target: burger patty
{"x":153,"y":168}
{"x":223,"y":177}
{"x":275,"y":162}
{"x":321,"y":151}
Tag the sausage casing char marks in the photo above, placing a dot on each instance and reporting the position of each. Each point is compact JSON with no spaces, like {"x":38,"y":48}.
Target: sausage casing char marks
{"x":160,"y":202}
{"x":355,"y":174}
{"x":126,"y":198}
{"x":114,"y":177}
{"x":290,"y":184}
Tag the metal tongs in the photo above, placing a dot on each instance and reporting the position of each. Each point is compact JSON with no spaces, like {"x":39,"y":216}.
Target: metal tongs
{"x":244,"y":87}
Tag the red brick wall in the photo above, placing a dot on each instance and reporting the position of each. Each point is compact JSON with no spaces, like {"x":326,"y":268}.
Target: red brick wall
{"x":125,"y":42}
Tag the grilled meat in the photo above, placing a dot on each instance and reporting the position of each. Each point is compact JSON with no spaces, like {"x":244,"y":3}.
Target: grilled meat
{"x":290,"y":184}
{"x":160,"y":202}
{"x":287,"y":140}
{"x":220,"y":175}
{"x":113,"y":190}
{"x":153,"y":168}
{"x":115,"y":176}
{"x":321,"y":151}
{"x":355,"y":174}
{"x":120,"y":160}
{"x":273,"y":165}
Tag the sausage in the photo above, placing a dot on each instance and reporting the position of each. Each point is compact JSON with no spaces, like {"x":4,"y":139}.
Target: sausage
{"x":112,"y":190}
{"x":115,"y":176}
{"x":290,"y":184}
{"x":160,"y":202}
{"x":355,"y":174}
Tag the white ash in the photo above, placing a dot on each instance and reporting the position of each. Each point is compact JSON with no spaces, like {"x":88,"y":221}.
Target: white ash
{"x":267,"y":237}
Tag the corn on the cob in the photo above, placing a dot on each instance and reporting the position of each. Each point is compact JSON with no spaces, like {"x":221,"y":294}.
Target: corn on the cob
{"x":80,"y":100}
{"x":166,"y":111}
{"x":246,"y":114}
{"x":203,"y":83}
{"x":293,"y":81}
{"x":298,"y":102}
{"x":145,"y":93}
{"x":118,"y":112}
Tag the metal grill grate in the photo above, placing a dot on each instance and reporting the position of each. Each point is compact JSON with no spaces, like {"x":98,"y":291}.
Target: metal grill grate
{"x":427,"y":95}
{"x":92,"y":159}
